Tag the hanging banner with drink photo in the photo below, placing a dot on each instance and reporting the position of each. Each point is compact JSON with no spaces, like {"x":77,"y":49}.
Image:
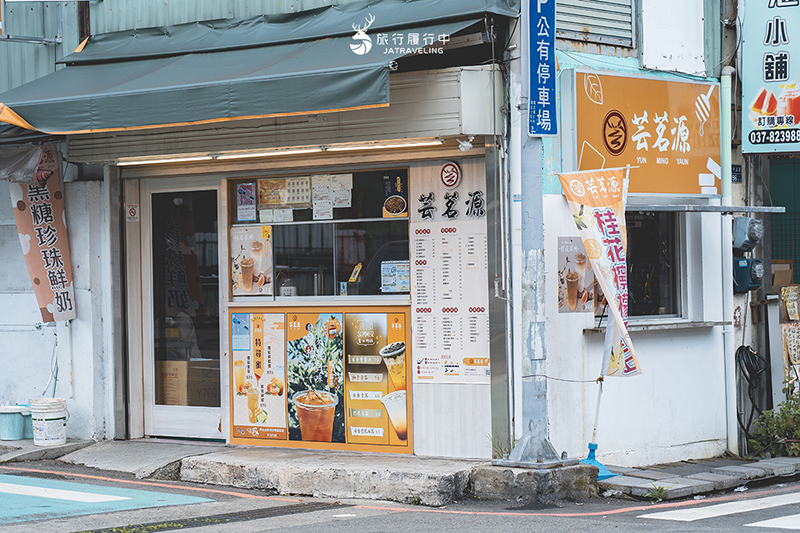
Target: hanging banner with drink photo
{"x":597,"y":201}
{"x":576,"y":292}
{"x":251,"y":260}
{"x":258,"y":394}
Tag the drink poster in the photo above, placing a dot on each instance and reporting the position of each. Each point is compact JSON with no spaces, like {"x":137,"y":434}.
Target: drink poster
{"x":315,"y":376}
{"x":375,"y":378}
{"x":251,"y":260}
{"x":596,"y":199}
{"x":246,"y":202}
{"x":258,"y":362}
{"x":41,"y":224}
{"x":576,"y":292}
{"x":395,"y":195}
{"x":770,"y":91}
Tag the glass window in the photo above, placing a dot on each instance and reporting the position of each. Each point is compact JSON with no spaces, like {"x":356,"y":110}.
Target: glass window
{"x":652,"y":263}
{"x":341,"y":234}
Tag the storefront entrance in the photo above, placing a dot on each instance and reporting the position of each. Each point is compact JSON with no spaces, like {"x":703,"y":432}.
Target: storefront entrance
{"x":180,"y":309}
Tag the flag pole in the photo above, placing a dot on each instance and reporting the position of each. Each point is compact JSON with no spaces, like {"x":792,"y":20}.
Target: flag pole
{"x":602,"y":471}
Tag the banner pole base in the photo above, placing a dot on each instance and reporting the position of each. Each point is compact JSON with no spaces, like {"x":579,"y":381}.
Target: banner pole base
{"x":603,"y":472}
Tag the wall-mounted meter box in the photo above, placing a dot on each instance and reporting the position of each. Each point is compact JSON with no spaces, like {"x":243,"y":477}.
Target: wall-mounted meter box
{"x":747,"y":274}
{"x":746,"y":233}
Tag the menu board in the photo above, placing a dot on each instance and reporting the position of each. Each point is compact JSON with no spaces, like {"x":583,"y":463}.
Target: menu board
{"x":320,"y":377}
{"x":449,"y":303}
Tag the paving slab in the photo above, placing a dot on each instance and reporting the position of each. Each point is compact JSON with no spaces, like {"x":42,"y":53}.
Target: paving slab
{"x":773,"y":468}
{"x":673,"y":488}
{"x":794,"y":461}
{"x":624,"y":483}
{"x":409,"y":479}
{"x":742,"y":472}
{"x":720,"y":482}
{"x":25,"y":450}
{"x":143,"y":458}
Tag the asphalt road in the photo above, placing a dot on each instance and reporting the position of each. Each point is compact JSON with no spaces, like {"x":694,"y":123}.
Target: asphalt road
{"x":47,"y":496}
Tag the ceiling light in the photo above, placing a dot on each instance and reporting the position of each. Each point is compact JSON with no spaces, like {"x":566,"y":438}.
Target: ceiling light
{"x":374,"y":146}
{"x":129,"y":162}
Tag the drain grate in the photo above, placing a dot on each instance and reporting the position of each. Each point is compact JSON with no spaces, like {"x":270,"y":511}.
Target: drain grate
{"x":227,"y":518}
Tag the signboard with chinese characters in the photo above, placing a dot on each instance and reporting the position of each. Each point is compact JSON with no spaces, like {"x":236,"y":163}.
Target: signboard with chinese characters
{"x":542,"y":111}
{"x":770,"y":94}
{"x":41,"y":224}
{"x":669,"y":129}
{"x":321,"y":378}
{"x":449,"y":279}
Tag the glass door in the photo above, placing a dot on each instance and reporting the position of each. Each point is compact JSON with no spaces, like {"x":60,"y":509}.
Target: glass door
{"x":181,"y":308}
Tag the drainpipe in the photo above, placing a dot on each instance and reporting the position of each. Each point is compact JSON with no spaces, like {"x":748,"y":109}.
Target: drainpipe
{"x":727,"y":263}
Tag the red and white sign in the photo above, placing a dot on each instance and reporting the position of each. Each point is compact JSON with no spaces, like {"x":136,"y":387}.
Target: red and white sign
{"x":132,"y":212}
{"x":450,"y":175}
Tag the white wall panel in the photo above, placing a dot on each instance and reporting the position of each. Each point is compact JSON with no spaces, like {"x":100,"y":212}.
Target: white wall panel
{"x":672,"y":36}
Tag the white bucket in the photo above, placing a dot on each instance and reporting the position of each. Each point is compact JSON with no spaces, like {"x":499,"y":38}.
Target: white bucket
{"x":49,"y":417}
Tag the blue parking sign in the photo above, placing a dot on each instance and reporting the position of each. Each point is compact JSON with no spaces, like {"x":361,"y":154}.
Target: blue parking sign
{"x":542,"y":113}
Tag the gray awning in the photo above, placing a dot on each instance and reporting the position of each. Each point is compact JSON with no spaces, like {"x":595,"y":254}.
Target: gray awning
{"x":236,"y":69}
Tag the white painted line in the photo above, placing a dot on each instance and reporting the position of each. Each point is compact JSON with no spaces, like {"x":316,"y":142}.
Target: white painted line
{"x":784,"y":522}
{"x":722,"y":509}
{"x":58,"y":494}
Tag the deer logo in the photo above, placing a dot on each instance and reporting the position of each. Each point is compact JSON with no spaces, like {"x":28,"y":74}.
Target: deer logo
{"x":363,"y":42}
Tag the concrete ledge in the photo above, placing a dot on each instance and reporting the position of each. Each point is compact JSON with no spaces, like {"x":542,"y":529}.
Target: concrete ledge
{"x":742,"y":472}
{"x":720,"y":482}
{"x":575,"y":482}
{"x":674,"y":488}
{"x":26,"y":450}
{"x":422,"y":481}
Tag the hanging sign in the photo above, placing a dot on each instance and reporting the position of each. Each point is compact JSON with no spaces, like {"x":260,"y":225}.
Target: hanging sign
{"x":598,"y":209}
{"x":542,"y":112}
{"x":41,"y":224}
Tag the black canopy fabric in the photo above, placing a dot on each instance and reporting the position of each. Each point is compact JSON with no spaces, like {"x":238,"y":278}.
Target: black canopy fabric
{"x":314,"y":61}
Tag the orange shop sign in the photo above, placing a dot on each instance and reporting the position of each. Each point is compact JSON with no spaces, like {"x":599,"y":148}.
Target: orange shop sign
{"x":668,"y":129}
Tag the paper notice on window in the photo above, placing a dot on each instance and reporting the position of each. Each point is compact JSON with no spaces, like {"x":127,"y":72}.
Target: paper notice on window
{"x":341,"y":190}
{"x":282,"y":215}
{"x":266,"y":215}
{"x":789,"y":297}
{"x":791,"y":342}
{"x":321,"y":187}
{"x":323,"y":210}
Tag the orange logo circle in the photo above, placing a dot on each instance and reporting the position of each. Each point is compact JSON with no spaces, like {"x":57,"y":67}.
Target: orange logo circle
{"x":615,"y":132}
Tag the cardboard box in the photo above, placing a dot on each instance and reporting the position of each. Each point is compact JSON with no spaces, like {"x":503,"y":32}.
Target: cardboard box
{"x":194,"y":382}
{"x":782,"y":272}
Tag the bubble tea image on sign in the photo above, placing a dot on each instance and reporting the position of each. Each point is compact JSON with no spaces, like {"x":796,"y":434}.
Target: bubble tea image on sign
{"x":315,"y":412}
{"x":395,"y":359}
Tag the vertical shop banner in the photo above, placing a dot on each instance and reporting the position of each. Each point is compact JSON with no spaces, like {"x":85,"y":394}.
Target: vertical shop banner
{"x":258,"y":399}
{"x":542,"y":111}
{"x":669,"y":129}
{"x":315,"y":376}
{"x":251,"y":260}
{"x":576,"y":291}
{"x":596,"y":199}
{"x":41,"y":224}
{"x":770,"y":91}
{"x":375,"y":378}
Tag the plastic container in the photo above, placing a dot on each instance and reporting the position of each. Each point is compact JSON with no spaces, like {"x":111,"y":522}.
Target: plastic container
{"x":27,"y":424}
{"x":11,"y":422}
{"x":49,"y":417}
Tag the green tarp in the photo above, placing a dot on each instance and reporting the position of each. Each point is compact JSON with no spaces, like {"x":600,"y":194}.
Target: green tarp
{"x":232,"y":69}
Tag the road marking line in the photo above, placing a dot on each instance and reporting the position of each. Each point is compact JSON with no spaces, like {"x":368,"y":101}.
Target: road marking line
{"x":58,"y":494}
{"x":722,"y":509}
{"x":784,"y":522}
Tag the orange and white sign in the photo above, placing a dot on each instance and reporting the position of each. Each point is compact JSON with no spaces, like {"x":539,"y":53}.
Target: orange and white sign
{"x":669,"y":129}
{"x":41,"y":224}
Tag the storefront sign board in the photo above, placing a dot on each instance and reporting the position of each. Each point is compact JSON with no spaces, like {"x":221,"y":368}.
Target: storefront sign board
{"x":770,"y":94}
{"x":354,"y":361}
{"x":41,"y":224}
{"x":669,"y":129}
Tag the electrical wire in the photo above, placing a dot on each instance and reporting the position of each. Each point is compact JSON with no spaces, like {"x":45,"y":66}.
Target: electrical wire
{"x":753,"y":366}
{"x":53,"y":370}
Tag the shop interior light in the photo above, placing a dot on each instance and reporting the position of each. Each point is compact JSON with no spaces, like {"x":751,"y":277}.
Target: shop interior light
{"x":128,"y":162}
{"x":377,"y":146}
{"x":267,"y":153}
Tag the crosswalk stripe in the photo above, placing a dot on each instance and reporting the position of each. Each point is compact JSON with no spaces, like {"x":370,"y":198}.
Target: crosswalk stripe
{"x":58,"y":494}
{"x":722,"y":509}
{"x":784,"y":522}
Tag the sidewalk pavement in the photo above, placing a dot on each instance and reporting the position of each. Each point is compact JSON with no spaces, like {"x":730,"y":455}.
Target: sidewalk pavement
{"x":401,"y":478}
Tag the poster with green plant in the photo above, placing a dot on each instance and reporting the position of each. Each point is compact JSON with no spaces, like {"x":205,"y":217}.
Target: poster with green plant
{"x":315,"y":374}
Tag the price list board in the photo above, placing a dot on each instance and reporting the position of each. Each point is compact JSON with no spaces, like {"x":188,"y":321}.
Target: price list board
{"x":450,"y":311}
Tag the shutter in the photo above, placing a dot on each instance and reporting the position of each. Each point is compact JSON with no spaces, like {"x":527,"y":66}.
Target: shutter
{"x":598,"y":21}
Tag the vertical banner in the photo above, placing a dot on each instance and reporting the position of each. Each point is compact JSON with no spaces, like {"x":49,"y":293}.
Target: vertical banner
{"x":596,"y":199}
{"x":542,"y":112}
{"x":258,"y":401}
{"x":375,"y":378}
{"x":41,"y":224}
{"x":315,"y":376}
{"x":770,"y":91}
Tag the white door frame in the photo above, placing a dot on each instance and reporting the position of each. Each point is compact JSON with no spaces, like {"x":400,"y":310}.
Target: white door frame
{"x":147,"y":418}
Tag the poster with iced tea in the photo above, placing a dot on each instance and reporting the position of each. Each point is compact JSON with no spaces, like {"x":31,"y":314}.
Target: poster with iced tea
{"x":576,"y":287}
{"x":251,"y":260}
{"x":375,"y":378}
{"x":258,"y":392}
{"x":315,"y":376}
